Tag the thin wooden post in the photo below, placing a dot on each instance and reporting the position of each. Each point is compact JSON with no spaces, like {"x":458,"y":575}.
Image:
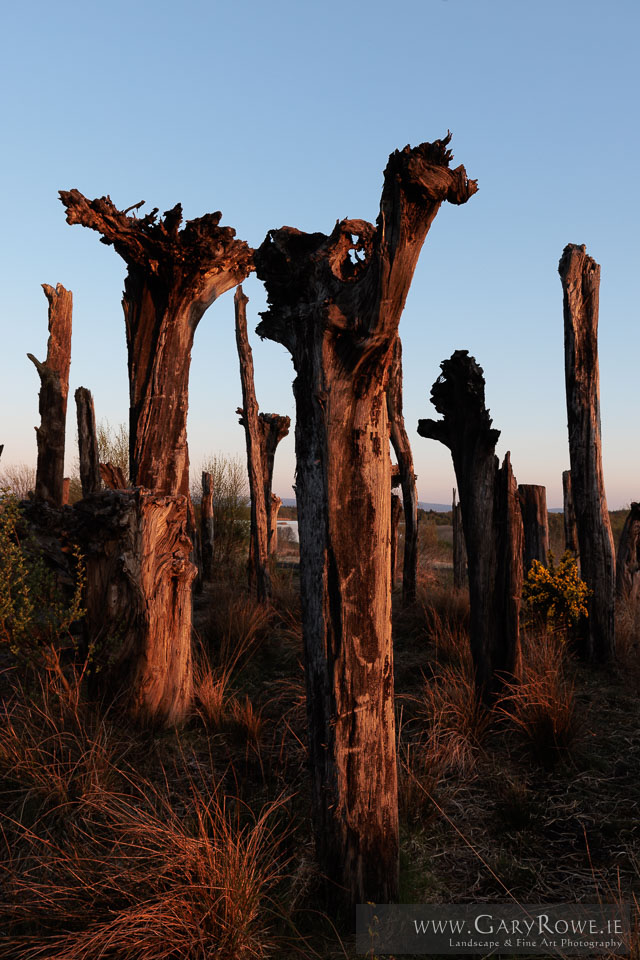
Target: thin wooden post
{"x":535,"y":520}
{"x":580,"y":276}
{"x":90,"y":477}
{"x":54,"y":390}
{"x":206,"y":527}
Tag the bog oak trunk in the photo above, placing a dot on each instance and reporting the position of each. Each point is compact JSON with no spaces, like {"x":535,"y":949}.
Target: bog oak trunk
{"x":535,"y":520}
{"x":396,"y":513}
{"x":54,"y":390}
{"x":90,"y":474}
{"x":404,"y":456}
{"x":335,"y":303}
{"x":490,"y":515}
{"x":139,"y":601}
{"x":263,"y":432}
{"x":173,"y":275}
{"x":276,"y":503}
{"x":580,"y":276}
{"x":628,"y":559}
{"x":570,"y":530}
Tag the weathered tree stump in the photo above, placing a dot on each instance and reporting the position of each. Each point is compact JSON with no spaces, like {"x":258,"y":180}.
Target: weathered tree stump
{"x":276,"y":503}
{"x":580,"y":276}
{"x":90,"y":474}
{"x":628,"y":557}
{"x":396,"y":513}
{"x":490,"y":515}
{"x":404,"y":456}
{"x":535,"y":520}
{"x":459,"y":548}
{"x":139,"y":601}
{"x":206,"y":527}
{"x":173,"y":276}
{"x":570,"y":529}
{"x":66,"y":485}
{"x":113,"y":477}
{"x":54,"y":390}
{"x":335,"y":303}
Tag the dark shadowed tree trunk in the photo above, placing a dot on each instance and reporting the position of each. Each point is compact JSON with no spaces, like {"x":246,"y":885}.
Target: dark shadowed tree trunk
{"x":206,"y":527}
{"x":535,"y":520}
{"x":90,"y":476}
{"x":173,"y":275}
{"x":580,"y":276}
{"x":396,"y":513}
{"x":492,"y":524}
{"x":628,"y":558}
{"x":570,"y":529}
{"x":335,"y":303}
{"x":139,"y":601}
{"x":459,"y":548}
{"x":404,"y":456}
{"x":54,"y":390}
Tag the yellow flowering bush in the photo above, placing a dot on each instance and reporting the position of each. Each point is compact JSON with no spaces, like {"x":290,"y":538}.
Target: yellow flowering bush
{"x":555,"y":595}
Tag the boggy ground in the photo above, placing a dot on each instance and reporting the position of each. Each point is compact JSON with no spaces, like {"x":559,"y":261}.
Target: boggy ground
{"x":196,"y":843}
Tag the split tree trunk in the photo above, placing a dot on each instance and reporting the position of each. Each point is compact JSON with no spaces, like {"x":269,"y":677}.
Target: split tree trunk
{"x":206,"y":527}
{"x":580,"y":276}
{"x":628,"y":558}
{"x":402,"y":450}
{"x":139,"y":601}
{"x":459,"y":548}
{"x":335,"y":303}
{"x":535,"y":520}
{"x":90,"y":477}
{"x":396,"y":513}
{"x":54,"y":390}
{"x":492,"y":524}
{"x":173,"y":276}
{"x":570,"y":529}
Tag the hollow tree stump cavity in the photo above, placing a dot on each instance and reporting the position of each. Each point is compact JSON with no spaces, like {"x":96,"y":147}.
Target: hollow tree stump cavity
{"x":580,"y":276}
{"x":54,"y":390}
{"x":335,"y":303}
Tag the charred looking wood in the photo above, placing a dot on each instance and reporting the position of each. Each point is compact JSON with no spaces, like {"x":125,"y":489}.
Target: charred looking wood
{"x":54,"y":390}
{"x":173,"y":276}
{"x":580,"y":277}
{"x":335,"y":303}
{"x":490,"y":515}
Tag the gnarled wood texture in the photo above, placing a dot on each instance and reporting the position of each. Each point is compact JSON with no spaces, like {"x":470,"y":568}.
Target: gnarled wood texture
{"x":580,"y":276}
{"x":90,"y":474}
{"x":404,"y":456}
{"x":570,"y":529}
{"x":535,"y":520}
{"x":628,"y":557}
{"x":490,"y":515}
{"x":139,"y":600}
{"x":54,"y":390}
{"x":173,"y":276}
{"x":335,"y":303}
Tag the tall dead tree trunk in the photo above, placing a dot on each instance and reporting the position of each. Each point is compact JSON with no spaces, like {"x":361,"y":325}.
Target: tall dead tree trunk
{"x":54,"y":390}
{"x":173,"y":276}
{"x":535,"y":520}
{"x":335,"y":303}
{"x":402,"y":450}
{"x":492,"y":524}
{"x":580,"y":276}
{"x":570,"y":529}
{"x":139,"y":600}
{"x":459,"y":548}
{"x":90,"y":476}
{"x":206,"y":527}
{"x":628,"y":558}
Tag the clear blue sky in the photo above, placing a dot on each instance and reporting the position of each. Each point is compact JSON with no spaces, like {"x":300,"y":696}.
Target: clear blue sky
{"x":284,"y":113}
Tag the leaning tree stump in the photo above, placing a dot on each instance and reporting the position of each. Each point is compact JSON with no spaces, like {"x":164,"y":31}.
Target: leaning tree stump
{"x":173,"y":276}
{"x":580,"y":276}
{"x":535,"y":520}
{"x":570,"y":529}
{"x":54,"y":390}
{"x":138,"y":600}
{"x":90,"y":473}
{"x":404,"y":456}
{"x":335,"y":303}
{"x":490,"y":515}
{"x":628,"y":557}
